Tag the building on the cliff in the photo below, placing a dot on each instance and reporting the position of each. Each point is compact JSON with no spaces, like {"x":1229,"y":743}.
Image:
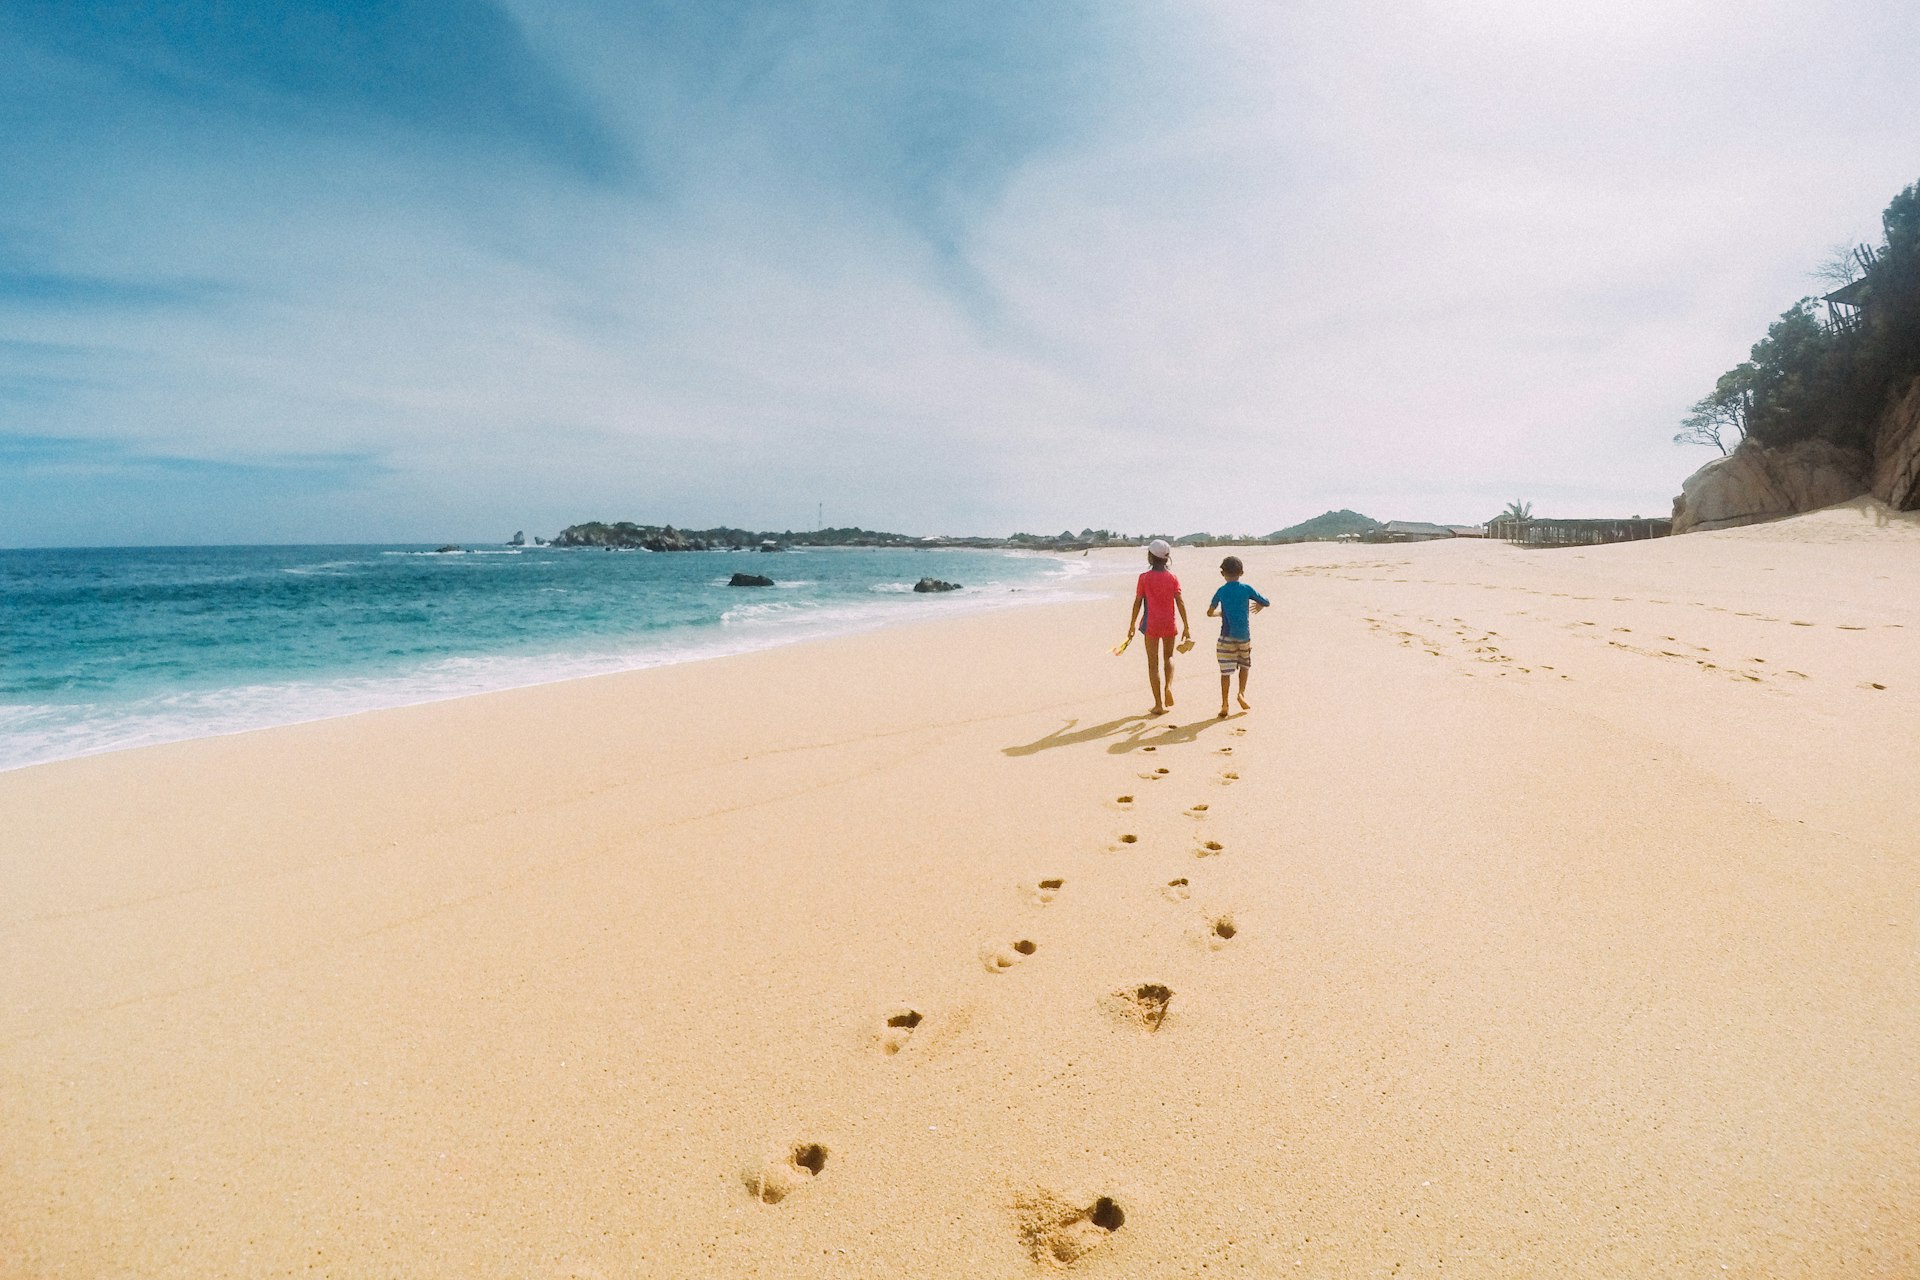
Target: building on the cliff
{"x":1846,"y":306}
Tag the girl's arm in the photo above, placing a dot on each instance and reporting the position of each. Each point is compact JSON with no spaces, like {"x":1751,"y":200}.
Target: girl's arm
{"x":1133,"y":619}
{"x":1180,"y":603}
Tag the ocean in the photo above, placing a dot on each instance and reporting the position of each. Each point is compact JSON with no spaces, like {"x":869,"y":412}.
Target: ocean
{"x":102,"y":649}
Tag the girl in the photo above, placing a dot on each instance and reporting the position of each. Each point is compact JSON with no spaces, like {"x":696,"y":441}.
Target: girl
{"x":1157,"y":595}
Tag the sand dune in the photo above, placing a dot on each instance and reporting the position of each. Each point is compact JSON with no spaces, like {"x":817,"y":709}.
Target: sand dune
{"x":1553,"y":913}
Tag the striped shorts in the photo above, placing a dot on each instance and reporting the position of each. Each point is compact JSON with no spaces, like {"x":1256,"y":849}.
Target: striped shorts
{"x":1234,"y":655}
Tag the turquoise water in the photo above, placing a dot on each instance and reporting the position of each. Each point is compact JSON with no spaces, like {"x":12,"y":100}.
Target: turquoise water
{"x":102,"y":649}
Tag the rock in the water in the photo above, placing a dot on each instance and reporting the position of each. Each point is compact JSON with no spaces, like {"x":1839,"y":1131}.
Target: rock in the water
{"x":1896,"y":453}
{"x":934,"y":584}
{"x":749,"y":580}
{"x":441,"y":551}
{"x":519,"y":538}
{"x":1753,"y":484}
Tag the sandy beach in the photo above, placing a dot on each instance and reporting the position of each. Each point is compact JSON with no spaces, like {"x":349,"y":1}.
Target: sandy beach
{"x":1553,"y":913}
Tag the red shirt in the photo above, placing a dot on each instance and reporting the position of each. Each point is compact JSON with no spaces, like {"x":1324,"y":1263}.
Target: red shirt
{"x":1158,"y":587}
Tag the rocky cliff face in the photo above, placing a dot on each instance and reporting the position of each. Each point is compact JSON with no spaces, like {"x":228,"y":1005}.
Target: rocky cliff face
{"x":1896,"y":453}
{"x":1753,"y":483}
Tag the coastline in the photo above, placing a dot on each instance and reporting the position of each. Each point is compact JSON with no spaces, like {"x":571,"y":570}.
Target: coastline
{"x":1572,"y":921}
{"x":32,"y":735}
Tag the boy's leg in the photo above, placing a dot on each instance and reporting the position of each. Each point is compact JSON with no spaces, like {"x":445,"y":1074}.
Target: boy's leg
{"x":1226,"y":683}
{"x":1246,"y":665}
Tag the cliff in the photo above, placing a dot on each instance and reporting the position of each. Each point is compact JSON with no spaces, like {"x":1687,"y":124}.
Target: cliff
{"x":1755,"y":482}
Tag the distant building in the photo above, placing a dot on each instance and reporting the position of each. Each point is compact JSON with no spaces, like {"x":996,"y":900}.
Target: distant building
{"x":1409,"y":531}
{"x":1540,"y":532}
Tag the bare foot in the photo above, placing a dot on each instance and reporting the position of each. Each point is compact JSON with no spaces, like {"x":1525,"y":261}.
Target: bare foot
{"x":1158,"y":711}
{"x":1223,"y":711}
{"x":1169,"y":696}
{"x":1244,"y":704}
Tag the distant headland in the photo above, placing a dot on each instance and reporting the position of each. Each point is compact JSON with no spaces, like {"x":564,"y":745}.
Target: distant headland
{"x":625,"y":535}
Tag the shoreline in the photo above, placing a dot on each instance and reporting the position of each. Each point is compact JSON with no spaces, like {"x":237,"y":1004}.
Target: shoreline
{"x":1570,"y":907}
{"x":254,"y":706}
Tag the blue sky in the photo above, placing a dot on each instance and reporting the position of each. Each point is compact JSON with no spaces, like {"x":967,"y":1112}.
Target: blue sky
{"x":443,"y":269}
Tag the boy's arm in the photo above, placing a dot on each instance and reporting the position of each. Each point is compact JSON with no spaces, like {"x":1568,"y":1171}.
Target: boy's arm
{"x":1213,"y":606}
{"x":1259,"y":601}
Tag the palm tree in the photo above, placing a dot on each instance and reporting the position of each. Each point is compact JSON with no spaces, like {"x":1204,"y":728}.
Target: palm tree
{"x":1518,"y":515}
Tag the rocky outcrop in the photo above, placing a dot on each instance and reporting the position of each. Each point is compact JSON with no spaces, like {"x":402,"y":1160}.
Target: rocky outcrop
{"x":749,"y":580}
{"x":1896,"y":453}
{"x":1753,"y":484}
{"x":934,"y":584}
{"x":519,"y":538}
{"x":626,"y":536}
{"x":449,"y":549}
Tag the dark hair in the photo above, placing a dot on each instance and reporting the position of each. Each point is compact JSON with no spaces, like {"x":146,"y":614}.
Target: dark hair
{"x":1157,"y":562}
{"x":1233,"y":566}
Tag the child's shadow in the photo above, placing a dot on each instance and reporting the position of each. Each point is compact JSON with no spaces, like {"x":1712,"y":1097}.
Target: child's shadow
{"x":1168,"y":735}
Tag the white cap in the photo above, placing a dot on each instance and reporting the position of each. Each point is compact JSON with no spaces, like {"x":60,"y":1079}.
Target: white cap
{"x":1159,"y":549}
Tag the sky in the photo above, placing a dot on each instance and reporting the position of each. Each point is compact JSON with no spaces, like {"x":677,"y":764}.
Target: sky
{"x":321,"y":271}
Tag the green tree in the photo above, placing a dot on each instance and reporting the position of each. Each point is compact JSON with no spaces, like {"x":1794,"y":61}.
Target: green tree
{"x":1805,"y":381}
{"x":1721,"y":418}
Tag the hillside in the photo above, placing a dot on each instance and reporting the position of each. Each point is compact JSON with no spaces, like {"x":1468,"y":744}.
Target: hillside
{"x":1326,"y":526}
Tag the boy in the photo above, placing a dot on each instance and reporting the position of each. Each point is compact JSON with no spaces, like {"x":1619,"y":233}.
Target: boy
{"x":1235,"y":648}
{"x":1157,"y":595}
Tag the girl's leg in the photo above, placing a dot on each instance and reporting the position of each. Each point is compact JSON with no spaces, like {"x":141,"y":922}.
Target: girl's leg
{"x":1166,"y":655}
{"x":1153,"y":671}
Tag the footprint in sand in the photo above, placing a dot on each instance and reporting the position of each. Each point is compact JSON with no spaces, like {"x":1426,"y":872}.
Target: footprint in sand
{"x":1058,"y":1232}
{"x":1223,"y":751}
{"x":1240,"y":732}
{"x":775,"y":1180}
{"x":1122,"y":841}
{"x":1143,"y":1006}
{"x":1197,"y":811}
{"x":1229,"y":778}
{"x":1221,"y":932}
{"x":1046,"y":890}
{"x":898,"y":1031}
{"x":1001,"y":959}
{"x":1123,"y":802}
{"x":1208,"y":848}
{"x":1177,"y":890}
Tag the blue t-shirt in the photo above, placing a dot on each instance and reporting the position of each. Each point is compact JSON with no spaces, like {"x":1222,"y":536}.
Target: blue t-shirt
{"x":1232,"y":597}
